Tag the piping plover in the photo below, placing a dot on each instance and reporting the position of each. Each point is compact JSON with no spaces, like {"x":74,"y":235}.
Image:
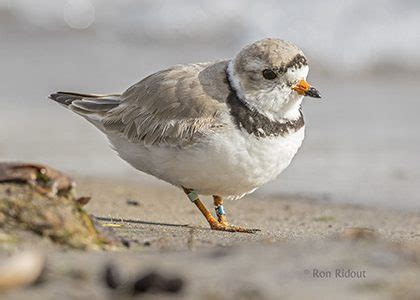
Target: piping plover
{"x":220,"y":128}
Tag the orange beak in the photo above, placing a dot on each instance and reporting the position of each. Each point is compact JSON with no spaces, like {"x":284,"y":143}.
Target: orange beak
{"x":303,"y":88}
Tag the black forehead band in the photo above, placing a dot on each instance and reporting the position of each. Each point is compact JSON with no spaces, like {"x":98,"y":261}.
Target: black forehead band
{"x":298,"y":61}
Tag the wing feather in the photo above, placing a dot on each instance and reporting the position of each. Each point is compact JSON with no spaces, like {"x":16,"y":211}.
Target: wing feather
{"x":176,"y":106}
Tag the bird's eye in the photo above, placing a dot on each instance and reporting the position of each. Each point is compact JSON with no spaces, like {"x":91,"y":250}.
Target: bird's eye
{"x":269,"y":74}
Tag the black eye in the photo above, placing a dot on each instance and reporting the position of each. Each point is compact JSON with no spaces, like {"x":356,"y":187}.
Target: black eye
{"x":269,"y":74}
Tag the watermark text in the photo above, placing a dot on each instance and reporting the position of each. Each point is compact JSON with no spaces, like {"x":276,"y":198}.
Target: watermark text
{"x":340,"y":273}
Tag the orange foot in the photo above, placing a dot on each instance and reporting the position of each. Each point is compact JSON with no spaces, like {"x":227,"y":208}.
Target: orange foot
{"x":227,"y":227}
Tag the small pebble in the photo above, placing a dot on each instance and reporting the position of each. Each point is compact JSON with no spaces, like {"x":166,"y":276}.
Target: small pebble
{"x":21,"y":269}
{"x":173,"y":285}
{"x":83,"y":200}
{"x":133,"y":202}
{"x":358,"y":233}
{"x":111,"y":277}
{"x":155,"y":282}
{"x":146,"y":283}
{"x":126,"y":243}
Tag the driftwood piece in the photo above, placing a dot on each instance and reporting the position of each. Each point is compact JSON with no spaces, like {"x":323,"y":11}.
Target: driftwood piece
{"x":45,"y":179}
{"x":42,"y":200}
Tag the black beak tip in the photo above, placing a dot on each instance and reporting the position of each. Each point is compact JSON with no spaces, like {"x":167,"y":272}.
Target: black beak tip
{"x":313,"y":92}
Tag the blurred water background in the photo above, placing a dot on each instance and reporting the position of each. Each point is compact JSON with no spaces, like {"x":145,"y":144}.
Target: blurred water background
{"x":363,"y":140}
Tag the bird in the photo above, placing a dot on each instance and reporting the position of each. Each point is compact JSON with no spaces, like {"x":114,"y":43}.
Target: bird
{"x":222,"y":128}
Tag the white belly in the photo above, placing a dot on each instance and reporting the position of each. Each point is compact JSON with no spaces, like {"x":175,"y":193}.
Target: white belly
{"x":231,"y":163}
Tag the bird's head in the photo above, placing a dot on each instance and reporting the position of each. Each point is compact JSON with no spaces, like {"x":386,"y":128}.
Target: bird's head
{"x":270,"y":76}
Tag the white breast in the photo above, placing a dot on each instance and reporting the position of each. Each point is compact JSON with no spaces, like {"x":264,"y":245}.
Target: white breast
{"x":230,"y":163}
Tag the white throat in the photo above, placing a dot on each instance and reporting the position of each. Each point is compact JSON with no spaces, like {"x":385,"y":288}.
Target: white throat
{"x":278,"y":104}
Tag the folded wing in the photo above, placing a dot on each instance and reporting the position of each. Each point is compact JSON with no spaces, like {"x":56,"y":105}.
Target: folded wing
{"x":173,"y":106}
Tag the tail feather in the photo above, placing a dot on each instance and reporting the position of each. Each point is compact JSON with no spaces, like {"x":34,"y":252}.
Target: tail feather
{"x":86,"y":104}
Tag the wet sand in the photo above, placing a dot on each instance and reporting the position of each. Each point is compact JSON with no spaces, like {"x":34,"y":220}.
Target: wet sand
{"x":299,"y":238}
{"x":280,"y":219}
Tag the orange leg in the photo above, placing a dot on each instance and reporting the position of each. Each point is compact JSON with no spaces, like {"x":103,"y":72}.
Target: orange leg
{"x":221,"y":222}
{"x":220,"y":212}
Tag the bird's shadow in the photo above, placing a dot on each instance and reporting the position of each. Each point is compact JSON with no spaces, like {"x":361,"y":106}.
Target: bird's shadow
{"x":122,"y":220}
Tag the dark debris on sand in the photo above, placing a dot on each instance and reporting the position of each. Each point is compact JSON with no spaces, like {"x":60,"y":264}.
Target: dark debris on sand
{"x":41,"y":200}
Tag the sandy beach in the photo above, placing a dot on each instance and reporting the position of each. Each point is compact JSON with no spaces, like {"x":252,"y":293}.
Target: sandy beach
{"x":299,"y":240}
